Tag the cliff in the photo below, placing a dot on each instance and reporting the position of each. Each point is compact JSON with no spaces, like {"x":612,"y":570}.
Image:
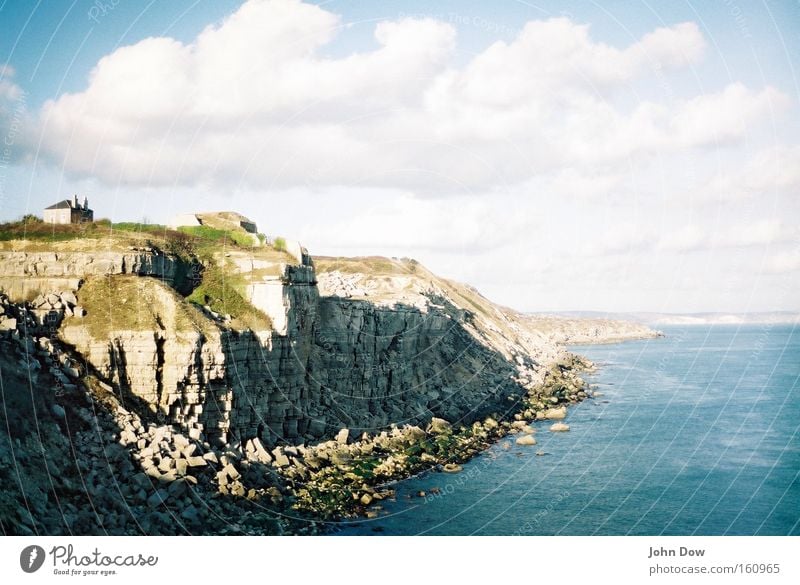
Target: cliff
{"x":571,"y":331}
{"x":223,"y":348}
{"x":359,"y":343}
{"x":328,"y":362}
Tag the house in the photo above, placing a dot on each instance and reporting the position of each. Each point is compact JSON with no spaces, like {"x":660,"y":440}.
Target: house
{"x":69,"y":211}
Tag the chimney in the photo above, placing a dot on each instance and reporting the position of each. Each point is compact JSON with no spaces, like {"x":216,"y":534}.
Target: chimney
{"x":75,"y":200}
{"x":85,"y":202}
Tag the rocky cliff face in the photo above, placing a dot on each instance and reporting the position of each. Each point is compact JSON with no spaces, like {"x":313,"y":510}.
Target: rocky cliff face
{"x":28,"y":272}
{"x":381,"y":342}
{"x":340,"y":363}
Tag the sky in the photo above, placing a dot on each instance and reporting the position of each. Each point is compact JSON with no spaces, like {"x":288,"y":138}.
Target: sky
{"x":611,"y":156}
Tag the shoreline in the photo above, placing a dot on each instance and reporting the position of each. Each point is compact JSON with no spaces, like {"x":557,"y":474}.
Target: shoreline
{"x":488,"y":432}
{"x":362,"y":473}
{"x":620,"y":339}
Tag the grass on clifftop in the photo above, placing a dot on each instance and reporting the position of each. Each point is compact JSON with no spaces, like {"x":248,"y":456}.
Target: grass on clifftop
{"x":33,"y":228}
{"x":134,"y":303}
{"x":189,"y":239}
{"x":217,"y":235}
{"x":222,"y":292}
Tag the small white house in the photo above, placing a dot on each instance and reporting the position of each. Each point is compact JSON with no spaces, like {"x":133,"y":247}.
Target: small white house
{"x":69,"y":211}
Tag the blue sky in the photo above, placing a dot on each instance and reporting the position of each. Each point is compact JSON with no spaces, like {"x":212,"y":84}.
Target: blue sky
{"x":587,"y":155}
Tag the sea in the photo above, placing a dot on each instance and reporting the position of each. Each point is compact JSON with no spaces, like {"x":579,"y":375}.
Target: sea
{"x":694,"y":433}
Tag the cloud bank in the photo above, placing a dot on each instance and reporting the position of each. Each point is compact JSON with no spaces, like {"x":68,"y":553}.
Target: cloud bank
{"x":257,"y":100}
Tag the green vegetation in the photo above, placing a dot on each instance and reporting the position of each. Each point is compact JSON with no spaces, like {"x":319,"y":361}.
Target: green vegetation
{"x":132,"y":226}
{"x":205,"y":232}
{"x":186,"y":242}
{"x":133,"y":303}
{"x":31,"y":227}
{"x":35,"y":229}
{"x":218,"y":235}
{"x":31,"y":218}
{"x":279,"y":244}
{"x":222,"y":292}
{"x":333,"y":491}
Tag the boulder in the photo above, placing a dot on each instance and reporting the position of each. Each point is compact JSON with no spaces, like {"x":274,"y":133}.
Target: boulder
{"x":71,"y":371}
{"x":342,"y":436}
{"x":525,"y":440}
{"x":141,"y":481}
{"x":180,"y":466}
{"x":230,"y":471}
{"x":414,"y":433}
{"x":255,"y":450}
{"x":157,"y":498}
{"x":127,"y":437}
{"x":281,"y":460}
{"x":190,"y":514}
{"x":452,"y":467}
{"x":69,"y":299}
{"x":341,"y":457}
{"x":559,"y":428}
{"x":177,"y":488}
{"x":166,"y":464}
{"x":439,"y":426}
{"x":556,"y":413}
{"x":188,"y":450}
{"x":197,"y":461}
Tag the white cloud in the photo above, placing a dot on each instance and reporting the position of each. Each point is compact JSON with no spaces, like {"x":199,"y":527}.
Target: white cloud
{"x":725,"y":116}
{"x":398,"y":222}
{"x":551,"y":56}
{"x":687,"y":238}
{"x":619,"y":238}
{"x":760,"y":233}
{"x":255,"y":100}
{"x":784,"y":262}
{"x":9,"y":90}
{"x":769,"y":172}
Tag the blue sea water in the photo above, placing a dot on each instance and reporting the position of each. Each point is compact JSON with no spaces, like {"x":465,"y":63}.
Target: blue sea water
{"x":695,"y":433}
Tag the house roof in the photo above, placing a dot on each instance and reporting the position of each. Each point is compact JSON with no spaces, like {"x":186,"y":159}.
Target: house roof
{"x":65,"y":204}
